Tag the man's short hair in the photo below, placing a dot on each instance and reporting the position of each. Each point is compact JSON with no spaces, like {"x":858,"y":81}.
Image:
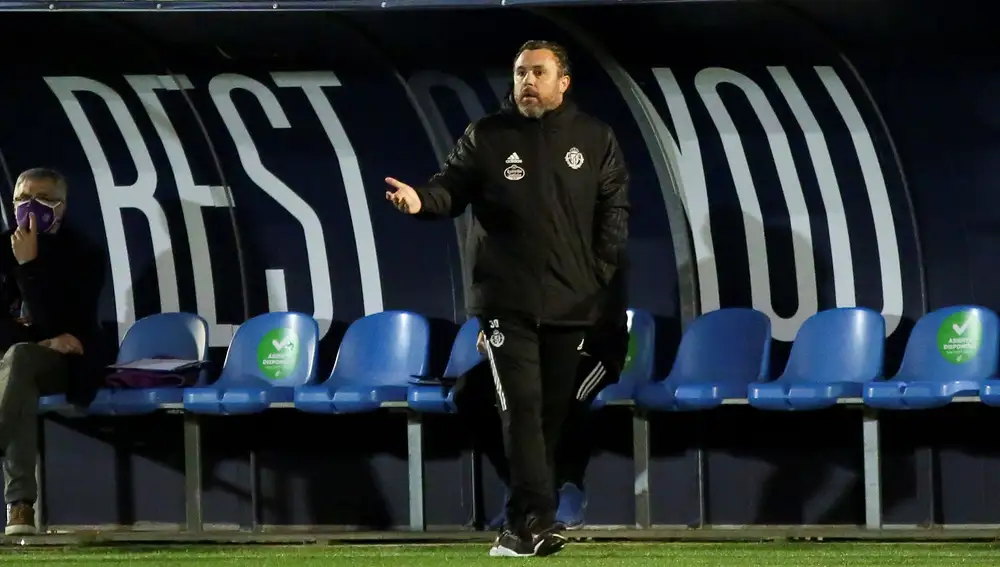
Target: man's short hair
{"x":562,"y":56}
{"x":44,"y":174}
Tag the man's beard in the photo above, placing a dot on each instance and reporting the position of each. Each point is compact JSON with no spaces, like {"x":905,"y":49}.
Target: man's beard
{"x":532,"y":111}
{"x":536,"y":109}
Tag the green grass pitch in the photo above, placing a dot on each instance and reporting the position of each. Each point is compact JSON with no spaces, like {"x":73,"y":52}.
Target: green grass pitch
{"x":474,"y":555}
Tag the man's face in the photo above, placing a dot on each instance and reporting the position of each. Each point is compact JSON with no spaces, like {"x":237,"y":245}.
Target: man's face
{"x":44,"y":191}
{"x":538,"y":84}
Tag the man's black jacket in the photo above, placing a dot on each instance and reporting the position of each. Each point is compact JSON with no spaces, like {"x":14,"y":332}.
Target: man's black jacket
{"x":61,"y":287}
{"x":550,"y":197}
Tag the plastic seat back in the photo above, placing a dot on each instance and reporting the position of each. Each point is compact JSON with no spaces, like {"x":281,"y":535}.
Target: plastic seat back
{"x":954,"y":343}
{"x":383,"y":349}
{"x":846,"y":344}
{"x":175,"y":335}
{"x":726,"y":346}
{"x":464,"y":354}
{"x":278,"y":348}
{"x":640,"y":360}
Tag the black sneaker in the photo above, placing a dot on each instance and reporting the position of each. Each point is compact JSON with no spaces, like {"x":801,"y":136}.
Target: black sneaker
{"x":509,"y":544}
{"x":549,"y":541}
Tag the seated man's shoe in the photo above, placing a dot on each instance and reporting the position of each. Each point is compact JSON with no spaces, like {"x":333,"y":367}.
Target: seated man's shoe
{"x":20,"y":519}
{"x":572,"y":504}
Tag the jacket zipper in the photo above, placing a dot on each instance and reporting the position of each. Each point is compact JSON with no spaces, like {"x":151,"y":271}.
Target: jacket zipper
{"x":543,"y":164}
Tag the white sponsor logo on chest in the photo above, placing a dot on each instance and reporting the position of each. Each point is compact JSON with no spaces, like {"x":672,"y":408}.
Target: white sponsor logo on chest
{"x":514,"y":172}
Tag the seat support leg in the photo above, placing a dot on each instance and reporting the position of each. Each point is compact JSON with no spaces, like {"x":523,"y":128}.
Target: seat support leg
{"x":700,"y":471}
{"x":40,"y":479}
{"x":640,"y":456}
{"x":192,"y":473}
{"x":415,"y":463}
{"x":872,"y":469}
{"x":254,"y":491}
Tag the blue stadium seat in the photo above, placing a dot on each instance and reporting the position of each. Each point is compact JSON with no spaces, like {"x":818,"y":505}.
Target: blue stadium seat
{"x":268,"y":356}
{"x":101,"y":405}
{"x":720,"y":354}
{"x":175,"y":335}
{"x":989,"y":392}
{"x":379,"y":355}
{"x":639,"y":366}
{"x":440,"y":398}
{"x":834,"y":354}
{"x":951,"y":352}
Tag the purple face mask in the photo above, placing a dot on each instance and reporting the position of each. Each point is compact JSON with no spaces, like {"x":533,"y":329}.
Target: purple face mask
{"x":44,"y":211}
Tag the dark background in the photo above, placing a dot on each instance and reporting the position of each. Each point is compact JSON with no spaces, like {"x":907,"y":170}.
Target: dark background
{"x":922,"y":77}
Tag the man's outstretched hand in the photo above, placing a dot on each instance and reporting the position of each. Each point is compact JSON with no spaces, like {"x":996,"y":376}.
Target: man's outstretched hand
{"x":404,"y":197}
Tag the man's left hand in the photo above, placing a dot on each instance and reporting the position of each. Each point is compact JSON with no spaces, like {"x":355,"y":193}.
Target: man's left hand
{"x":64,"y":343}
{"x":481,"y":342}
{"x":24,"y":242}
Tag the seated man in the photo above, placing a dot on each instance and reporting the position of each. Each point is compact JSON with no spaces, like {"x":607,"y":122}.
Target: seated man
{"x":49,"y":319}
{"x":603,"y":355}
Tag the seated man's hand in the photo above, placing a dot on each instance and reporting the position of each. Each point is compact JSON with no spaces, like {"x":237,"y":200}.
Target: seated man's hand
{"x":481,"y":343}
{"x":64,"y":343}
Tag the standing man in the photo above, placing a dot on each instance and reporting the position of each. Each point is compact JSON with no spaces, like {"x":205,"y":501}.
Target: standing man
{"x":549,"y":189}
{"x":49,"y":283}
{"x":601,"y":362}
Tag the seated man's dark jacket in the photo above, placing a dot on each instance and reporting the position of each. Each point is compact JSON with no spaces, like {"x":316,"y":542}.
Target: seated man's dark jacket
{"x":61,"y":288}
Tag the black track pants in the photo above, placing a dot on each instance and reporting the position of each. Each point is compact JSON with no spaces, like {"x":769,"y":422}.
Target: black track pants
{"x":534,"y":374}
{"x":577,"y":442}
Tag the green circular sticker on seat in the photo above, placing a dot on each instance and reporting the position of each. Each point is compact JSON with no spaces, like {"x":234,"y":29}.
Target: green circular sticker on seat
{"x":960,"y":337}
{"x":278,"y":353}
{"x":630,"y":355}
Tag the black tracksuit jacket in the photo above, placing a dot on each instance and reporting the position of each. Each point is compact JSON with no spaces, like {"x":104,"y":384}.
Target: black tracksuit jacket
{"x":550,"y":196}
